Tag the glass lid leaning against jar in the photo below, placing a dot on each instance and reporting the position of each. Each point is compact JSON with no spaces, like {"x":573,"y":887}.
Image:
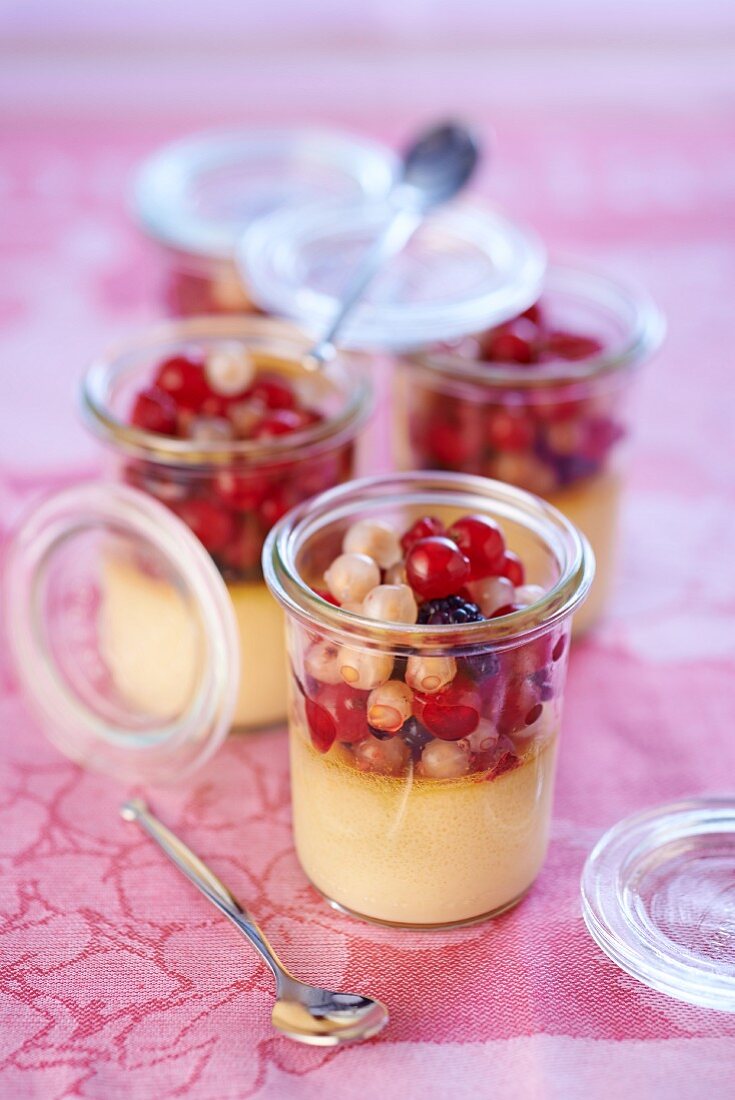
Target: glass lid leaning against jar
{"x":195,"y":196}
{"x":428,"y":622}
{"x":216,"y":419}
{"x":541,"y":401}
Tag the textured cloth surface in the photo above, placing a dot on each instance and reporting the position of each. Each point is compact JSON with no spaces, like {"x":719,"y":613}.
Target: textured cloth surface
{"x":116,"y":979}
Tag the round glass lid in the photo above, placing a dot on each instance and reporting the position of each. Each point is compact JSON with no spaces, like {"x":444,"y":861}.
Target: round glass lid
{"x":200,"y":193}
{"x":122,"y":632}
{"x":658,"y":896}
{"x":466,"y":268}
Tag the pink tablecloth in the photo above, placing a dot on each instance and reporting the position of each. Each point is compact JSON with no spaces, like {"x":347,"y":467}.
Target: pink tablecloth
{"x":116,"y":979}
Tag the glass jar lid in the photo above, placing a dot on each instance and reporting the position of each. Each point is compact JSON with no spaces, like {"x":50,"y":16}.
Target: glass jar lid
{"x":466,"y":268}
{"x":122,"y":632}
{"x":198,"y":194}
{"x":658,"y":896}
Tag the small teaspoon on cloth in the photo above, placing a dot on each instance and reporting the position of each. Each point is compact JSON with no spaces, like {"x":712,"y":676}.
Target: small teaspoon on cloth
{"x":305,"y":1013}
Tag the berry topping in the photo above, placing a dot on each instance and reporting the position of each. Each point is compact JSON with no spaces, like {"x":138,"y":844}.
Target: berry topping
{"x":445,"y":760}
{"x":182,"y":377}
{"x":436,"y":567}
{"x":452,"y":609}
{"x":348,"y":708}
{"x":322,"y":662}
{"x":491,"y":593}
{"x":558,"y":650}
{"x":389,"y":706}
{"x":451,"y":713}
{"x":507,"y":347}
{"x":512,"y":568}
{"x":364,"y":669}
{"x":423,"y":528}
{"x":279,"y":422}
{"x":229,"y":370}
{"x":391,"y":603}
{"x":351,"y":576}
{"x":154,"y":411}
{"x":213,"y":525}
{"x":322,"y":726}
{"x":482,"y":542}
{"x":415,"y":736}
{"x":389,"y":757}
{"x":430,"y":674}
{"x":273,"y":391}
{"x":376,"y":539}
{"x":567,"y":345}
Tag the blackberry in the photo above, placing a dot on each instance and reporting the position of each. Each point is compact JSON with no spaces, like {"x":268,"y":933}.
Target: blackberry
{"x":415,"y":736}
{"x":452,"y":610}
{"x":456,"y":611}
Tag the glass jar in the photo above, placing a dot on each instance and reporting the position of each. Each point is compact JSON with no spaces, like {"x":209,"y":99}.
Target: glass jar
{"x":557,"y":427}
{"x":228,"y":491}
{"x":376,"y":834}
{"x":195,"y":197}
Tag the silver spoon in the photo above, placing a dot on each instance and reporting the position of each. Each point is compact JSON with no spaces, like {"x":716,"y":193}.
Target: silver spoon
{"x":302,"y":1012}
{"x":435,"y":167}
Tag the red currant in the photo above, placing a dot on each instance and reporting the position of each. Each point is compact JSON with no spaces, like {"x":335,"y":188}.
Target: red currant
{"x":322,"y":727}
{"x":508,"y":347}
{"x":422,"y":529}
{"x":451,"y":713}
{"x":509,"y":430}
{"x":243,"y":491}
{"x":520,"y":707}
{"x":154,"y":411}
{"x":212,"y":524}
{"x":567,"y":345}
{"x":279,"y":422}
{"x":436,"y":567}
{"x":513,"y":569}
{"x":277,"y":502}
{"x":275,"y":392}
{"x":535,"y":315}
{"x":348,"y":707}
{"x":182,"y":377}
{"x":480,"y":540}
{"x":506,"y":609}
{"x":450,"y":445}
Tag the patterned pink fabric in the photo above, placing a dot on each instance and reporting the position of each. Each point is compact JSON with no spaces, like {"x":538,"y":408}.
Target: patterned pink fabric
{"x":116,"y":979}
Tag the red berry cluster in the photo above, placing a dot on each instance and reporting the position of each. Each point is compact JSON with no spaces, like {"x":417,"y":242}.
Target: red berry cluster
{"x":230,"y":507}
{"x":529,"y":436}
{"x":486,"y":703}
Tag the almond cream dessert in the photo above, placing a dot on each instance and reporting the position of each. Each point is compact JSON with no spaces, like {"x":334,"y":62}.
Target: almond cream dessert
{"x":152,"y":649}
{"x":422,"y":785}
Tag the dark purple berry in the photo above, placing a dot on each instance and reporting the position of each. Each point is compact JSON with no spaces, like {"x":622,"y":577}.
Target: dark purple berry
{"x":450,"y":611}
{"x":415,"y":736}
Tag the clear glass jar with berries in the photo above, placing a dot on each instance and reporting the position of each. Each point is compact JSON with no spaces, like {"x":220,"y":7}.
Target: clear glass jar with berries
{"x":428,"y":620}
{"x":218,"y":419}
{"x":194,"y":197}
{"x":540,"y":401}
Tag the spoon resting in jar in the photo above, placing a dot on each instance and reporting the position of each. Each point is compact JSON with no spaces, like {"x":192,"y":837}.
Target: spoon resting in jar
{"x":434,"y":168}
{"x":302,"y":1012}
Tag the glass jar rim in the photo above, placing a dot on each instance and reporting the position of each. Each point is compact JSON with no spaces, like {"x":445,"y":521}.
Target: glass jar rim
{"x":138,"y":443}
{"x":466,"y":490}
{"x":646,"y":328}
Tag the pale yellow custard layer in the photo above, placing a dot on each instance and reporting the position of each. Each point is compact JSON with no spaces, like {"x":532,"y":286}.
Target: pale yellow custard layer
{"x":593,"y":505}
{"x":419,"y":851}
{"x":152,"y":646}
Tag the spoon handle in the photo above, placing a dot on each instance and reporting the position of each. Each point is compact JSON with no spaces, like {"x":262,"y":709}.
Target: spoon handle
{"x":395,"y":235}
{"x":206,"y":881}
